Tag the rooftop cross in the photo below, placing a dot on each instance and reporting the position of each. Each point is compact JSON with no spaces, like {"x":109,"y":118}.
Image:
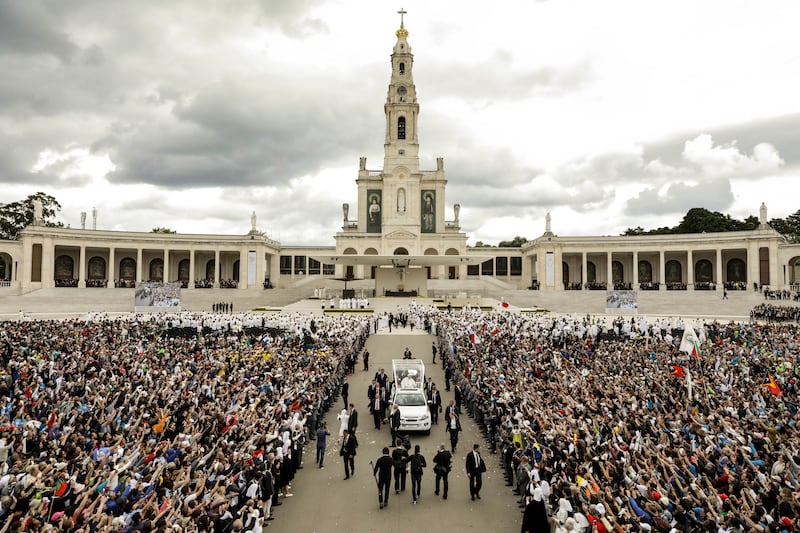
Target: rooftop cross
{"x":401,"y":13}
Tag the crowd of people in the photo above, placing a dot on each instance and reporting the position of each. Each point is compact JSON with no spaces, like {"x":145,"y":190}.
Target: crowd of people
{"x":775,"y":313}
{"x":186,"y":422}
{"x":611,"y":426}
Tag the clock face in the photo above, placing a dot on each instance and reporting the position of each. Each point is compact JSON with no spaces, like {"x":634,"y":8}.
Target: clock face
{"x":401,"y":91}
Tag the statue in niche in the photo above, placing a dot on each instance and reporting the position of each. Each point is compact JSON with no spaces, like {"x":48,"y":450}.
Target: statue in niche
{"x":401,"y":201}
{"x":362,"y":163}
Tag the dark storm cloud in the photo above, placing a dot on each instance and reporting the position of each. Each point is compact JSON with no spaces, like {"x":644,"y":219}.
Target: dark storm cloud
{"x":714,"y":195}
{"x":256,"y":132}
{"x":467,"y":165}
{"x":606,"y":168}
{"x":31,"y":27}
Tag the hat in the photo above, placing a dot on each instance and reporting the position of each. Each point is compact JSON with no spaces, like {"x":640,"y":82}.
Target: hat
{"x":601,"y":509}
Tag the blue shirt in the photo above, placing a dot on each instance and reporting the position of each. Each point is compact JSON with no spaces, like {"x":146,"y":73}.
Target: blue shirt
{"x":322,"y":435}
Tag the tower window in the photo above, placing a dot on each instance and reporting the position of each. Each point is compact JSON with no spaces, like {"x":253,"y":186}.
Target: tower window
{"x":401,"y":128}
{"x":402,"y":68}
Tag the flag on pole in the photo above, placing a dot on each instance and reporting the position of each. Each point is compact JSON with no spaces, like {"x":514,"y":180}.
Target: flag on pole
{"x":677,"y":372}
{"x":772,"y":386}
{"x":689,"y":342}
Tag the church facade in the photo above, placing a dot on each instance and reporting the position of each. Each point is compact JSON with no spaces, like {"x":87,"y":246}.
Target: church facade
{"x":401,"y":234}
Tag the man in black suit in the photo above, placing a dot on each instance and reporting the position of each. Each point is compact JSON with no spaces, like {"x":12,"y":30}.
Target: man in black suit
{"x":435,"y":401}
{"x":352,"y":422}
{"x":372,"y":389}
{"x":375,"y":410}
{"x":384,"y":402}
{"x":450,"y":409}
{"x":442,"y":462}
{"x":394,"y":423}
{"x":345,"y":392}
{"x":348,"y":453}
{"x":475,"y":469}
{"x":400,"y":461}
{"x":383,"y":467}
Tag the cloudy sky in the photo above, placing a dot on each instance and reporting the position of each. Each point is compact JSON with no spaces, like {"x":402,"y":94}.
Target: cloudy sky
{"x":191,"y":114}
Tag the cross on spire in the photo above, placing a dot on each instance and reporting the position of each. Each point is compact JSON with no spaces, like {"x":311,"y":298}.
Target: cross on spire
{"x":401,"y":13}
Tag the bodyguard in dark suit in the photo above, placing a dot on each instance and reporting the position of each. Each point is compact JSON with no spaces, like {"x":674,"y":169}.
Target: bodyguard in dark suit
{"x":345,"y":392}
{"x":435,"y":401}
{"x":383,"y":467}
{"x":394,"y":423}
{"x":348,"y":453}
{"x":450,"y":409}
{"x":376,"y":408}
{"x":442,"y":462}
{"x":475,"y":469}
{"x":352,"y":422}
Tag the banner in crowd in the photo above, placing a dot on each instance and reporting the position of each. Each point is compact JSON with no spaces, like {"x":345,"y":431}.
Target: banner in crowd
{"x":622,"y":301}
{"x":157,"y":296}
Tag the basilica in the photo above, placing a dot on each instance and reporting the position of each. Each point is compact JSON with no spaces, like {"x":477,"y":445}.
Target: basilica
{"x":400,"y":238}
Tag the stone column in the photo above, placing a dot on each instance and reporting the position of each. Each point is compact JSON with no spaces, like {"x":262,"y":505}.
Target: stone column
{"x":275,"y":269}
{"x":752,"y":265}
{"x":775,"y":281}
{"x":166,"y":266}
{"x":558,"y":259}
{"x":719,"y":279}
{"x":662,"y":278}
{"x":27,"y":265}
{"x":635,"y":280}
{"x":584,"y":269}
{"x":689,"y":269}
{"x":609,"y":274}
{"x":217,"y":268}
{"x":243,"y":268}
{"x":139,"y":265}
{"x":192,"y":275}
{"x":48,"y":263}
{"x":82,"y":267}
{"x":111,"y":271}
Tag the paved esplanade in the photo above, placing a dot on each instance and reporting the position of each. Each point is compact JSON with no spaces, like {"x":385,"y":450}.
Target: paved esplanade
{"x":323,"y":501}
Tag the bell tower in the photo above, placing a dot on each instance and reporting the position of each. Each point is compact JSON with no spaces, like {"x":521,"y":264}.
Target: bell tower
{"x":401,"y":145}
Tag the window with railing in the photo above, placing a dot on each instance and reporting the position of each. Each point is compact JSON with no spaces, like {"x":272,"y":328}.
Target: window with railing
{"x":501,"y":266}
{"x":300,"y":265}
{"x":286,"y":265}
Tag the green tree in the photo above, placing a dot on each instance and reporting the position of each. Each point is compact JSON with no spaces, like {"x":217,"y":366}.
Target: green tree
{"x":516,"y":242}
{"x":481,"y":244}
{"x":789,"y":227}
{"x":15,"y":216}
{"x":162,"y":230}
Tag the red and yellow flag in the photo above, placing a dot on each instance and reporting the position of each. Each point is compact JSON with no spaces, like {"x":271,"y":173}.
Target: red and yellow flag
{"x":772,"y":386}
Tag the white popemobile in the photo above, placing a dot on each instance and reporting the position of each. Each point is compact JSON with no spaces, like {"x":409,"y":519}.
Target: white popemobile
{"x":409,"y":395}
